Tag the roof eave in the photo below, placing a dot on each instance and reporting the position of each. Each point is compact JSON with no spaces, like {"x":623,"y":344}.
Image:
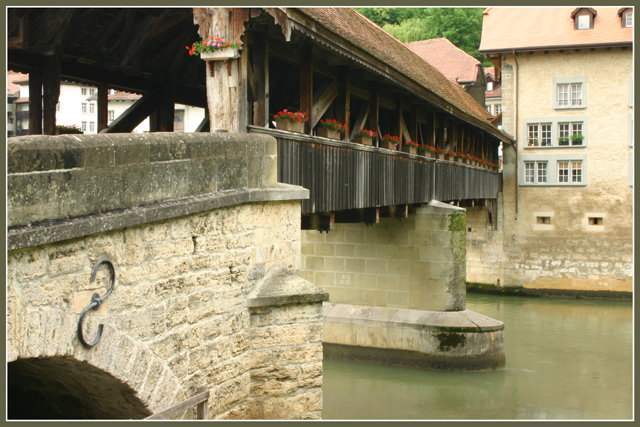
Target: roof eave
{"x":556,"y":47}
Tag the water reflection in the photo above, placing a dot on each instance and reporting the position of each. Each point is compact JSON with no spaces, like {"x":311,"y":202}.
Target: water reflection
{"x":565,"y":359}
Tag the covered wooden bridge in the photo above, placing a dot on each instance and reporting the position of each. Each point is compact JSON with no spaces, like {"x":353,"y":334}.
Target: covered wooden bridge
{"x":330,"y":63}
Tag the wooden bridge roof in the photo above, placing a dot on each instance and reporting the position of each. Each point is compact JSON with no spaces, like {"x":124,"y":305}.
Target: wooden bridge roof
{"x":142,"y":50}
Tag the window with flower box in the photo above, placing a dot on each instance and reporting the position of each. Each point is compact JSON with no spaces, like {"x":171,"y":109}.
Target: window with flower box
{"x":555,"y":132}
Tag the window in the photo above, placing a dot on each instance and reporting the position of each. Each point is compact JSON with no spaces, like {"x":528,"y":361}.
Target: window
{"x":563,"y":133}
{"x":570,"y":171}
{"x":84,"y":107}
{"x":545,"y":134}
{"x":84,"y":126}
{"x":533,"y":135}
{"x":498,"y":108}
{"x":575,"y":90}
{"x":489,"y":85}
{"x":112,"y":115}
{"x":595,"y":220}
{"x":91,"y":91}
{"x":535,"y":172}
{"x":576,"y":134}
{"x":92,"y":127}
{"x":83,"y":91}
{"x":539,"y":134}
{"x":628,"y":19}
{"x":489,"y":109}
{"x":570,"y":92}
{"x":58,"y":107}
{"x":92,"y":108}
{"x":584,"y":22}
{"x":543,"y":220}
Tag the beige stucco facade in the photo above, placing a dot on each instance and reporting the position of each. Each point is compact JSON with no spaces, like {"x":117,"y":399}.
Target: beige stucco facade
{"x":573,"y":235}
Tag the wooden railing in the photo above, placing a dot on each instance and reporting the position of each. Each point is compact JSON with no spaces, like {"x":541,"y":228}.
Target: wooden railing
{"x":344,"y":175}
{"x":200,"y":400}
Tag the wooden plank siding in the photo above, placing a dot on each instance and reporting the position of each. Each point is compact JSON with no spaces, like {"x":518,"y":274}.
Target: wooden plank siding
{"x":343,"y":176}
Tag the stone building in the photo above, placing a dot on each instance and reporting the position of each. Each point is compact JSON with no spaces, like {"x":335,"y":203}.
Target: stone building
{"x":567,"y":94}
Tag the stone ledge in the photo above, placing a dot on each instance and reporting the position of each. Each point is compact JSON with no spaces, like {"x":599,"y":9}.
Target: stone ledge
{"x":283,"y":288}
{"x":450,"y":321}
{"x":54,"y":231}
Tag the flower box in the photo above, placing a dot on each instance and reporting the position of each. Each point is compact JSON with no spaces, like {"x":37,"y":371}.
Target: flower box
{"x":362,"y":140}
{"x":291,"y":126}
{"x":388,"y":144}
{"x":411,"y":149}
{"x":328,"y":133}
{"x":221,"y":54}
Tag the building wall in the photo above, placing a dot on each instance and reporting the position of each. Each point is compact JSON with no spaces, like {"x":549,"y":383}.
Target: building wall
{"x":569,"y":252}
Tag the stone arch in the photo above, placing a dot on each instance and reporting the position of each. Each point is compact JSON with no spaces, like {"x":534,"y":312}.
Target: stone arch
{"x":65,"y":388}
{"x":50,"y":334}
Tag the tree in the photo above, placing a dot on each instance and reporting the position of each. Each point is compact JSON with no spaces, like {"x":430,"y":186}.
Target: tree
{"x":462,"y":26}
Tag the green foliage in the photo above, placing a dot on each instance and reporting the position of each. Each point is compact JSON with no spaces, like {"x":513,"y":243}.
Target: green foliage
{"x":462,"y":26}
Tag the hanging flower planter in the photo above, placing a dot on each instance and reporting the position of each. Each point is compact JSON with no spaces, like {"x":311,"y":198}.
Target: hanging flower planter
{"x":215,"y":49}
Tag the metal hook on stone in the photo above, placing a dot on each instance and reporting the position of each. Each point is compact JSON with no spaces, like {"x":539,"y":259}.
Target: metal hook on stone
{"x":96,"y":300}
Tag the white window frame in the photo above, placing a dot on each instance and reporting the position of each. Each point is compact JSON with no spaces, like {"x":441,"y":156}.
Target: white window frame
{"x":83,"y":91}
{"x":112,"y":115}
{"x":628,"y":19}
{"x":84,"y":108}
{"x":574,"y":166}
{"x":92,"y":91}
{"x":543,"y":128}
{"x":584,"y":21}
{"x":92,"y":108}
{"x":564,"y":89}
{"x":84,"y":126}
{"x":489,"y":85}
{"x":498,"y":109}
{"x":92,"y":127}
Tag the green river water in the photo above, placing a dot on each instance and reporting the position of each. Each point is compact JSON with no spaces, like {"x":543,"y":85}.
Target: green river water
{"x":566,"y":359}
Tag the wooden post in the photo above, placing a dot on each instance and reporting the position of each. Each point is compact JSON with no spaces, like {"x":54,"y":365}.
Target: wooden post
{"x":51,"y":92}
{"x":103,"y":106}
{"x":259,"y":76}
{"x":374,"y":110}
{"x":225,"y":93}
{"x":306,"y":84}
{"x":35,"y":102}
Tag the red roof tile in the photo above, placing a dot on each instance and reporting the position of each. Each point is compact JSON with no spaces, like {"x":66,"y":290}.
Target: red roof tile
{"x":456,"y":64}
{"x":526,"y":28}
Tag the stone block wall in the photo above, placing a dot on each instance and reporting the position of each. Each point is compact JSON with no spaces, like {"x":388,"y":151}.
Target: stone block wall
{"x":199,"y":300}
{"x":417,"y":263}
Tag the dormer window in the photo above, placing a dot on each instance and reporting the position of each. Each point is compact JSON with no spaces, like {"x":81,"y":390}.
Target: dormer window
{"x":583,"y":18}
{"x":489,"y":85}
{"x":626,"y":17}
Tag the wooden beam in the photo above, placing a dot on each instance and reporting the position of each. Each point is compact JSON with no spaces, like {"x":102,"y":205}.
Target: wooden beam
{"x":50,"y":92}
{"x":258,"y":77}
{"x":325,"y":99}
{"x":344,"y":106}
{"x":134,"y":115}
{"x":374,"y":112}
{"x":306,"y":84}
{"x":103,"y":106}
{"x":363,"y":115}
{"x":35,"y":102}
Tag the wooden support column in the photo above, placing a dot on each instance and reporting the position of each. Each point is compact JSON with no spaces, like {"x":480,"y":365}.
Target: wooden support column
{"x":343,"y":105}
{"x":35,"y":102}
{"x":413,"y":123}
{"x":161,"y":120}
{"x":103,"y":106}
{"x":306,"y":84}
{"x":374,"y":109}
{"x":50,"y":91}
{"x":226,"y":89}
{"x":258,"y":78}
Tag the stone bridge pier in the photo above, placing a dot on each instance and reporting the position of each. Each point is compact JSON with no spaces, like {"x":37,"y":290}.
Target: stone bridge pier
{"x":398,"y":293}
{"x":206,"y":250}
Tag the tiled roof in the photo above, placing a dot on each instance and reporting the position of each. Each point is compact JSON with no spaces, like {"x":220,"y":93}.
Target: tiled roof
{"x":13,"y":78}
{"x":496,"y":93}
{"x":490,"y":72}
{"x":456,"y":64}
{"x":356,"y":29}
{"x":525,"y":28}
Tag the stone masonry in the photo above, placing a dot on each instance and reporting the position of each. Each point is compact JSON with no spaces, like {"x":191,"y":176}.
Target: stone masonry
{"x":209,"y":297}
